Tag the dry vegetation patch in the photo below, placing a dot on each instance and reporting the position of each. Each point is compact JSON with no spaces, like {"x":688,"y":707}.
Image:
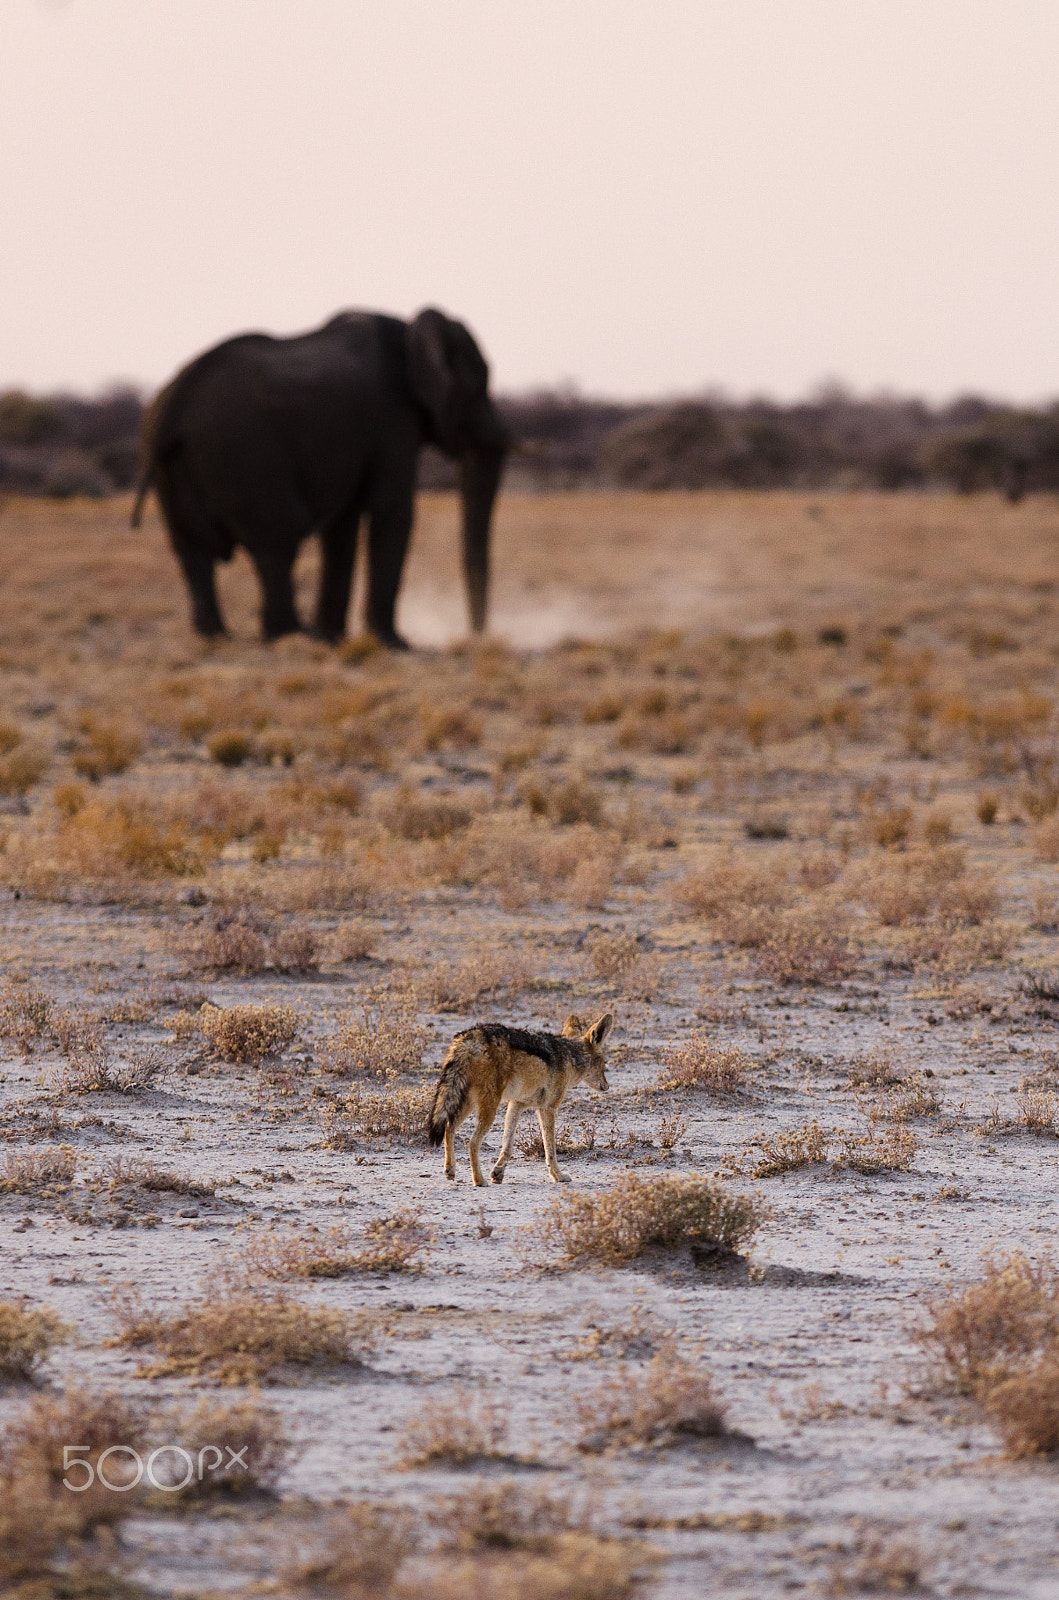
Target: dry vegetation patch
{"x":27,"y":1338}
{"x":673,"y":1401}
{"x":459,"y":1430}
{"x":390,"y":1244}
{"x":639,"y":1215}
{"x":237,"y":1333}
{"x":701,"y":1063}
{"x":248,"y":1033}
{"x":382,"y":1040}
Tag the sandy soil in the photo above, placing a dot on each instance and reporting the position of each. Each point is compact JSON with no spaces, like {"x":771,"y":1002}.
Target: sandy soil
{"x":843,"y":1435}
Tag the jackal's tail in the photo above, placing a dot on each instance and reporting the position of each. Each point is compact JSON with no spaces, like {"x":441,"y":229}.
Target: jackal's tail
{"x":450,"y":1097}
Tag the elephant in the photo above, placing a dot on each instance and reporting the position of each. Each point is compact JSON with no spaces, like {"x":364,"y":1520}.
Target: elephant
{"x":262,"y":441}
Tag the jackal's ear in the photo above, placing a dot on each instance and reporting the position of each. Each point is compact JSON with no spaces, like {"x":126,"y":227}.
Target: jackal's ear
{"x":573,"y":1027}
{"x":599,"y":1030}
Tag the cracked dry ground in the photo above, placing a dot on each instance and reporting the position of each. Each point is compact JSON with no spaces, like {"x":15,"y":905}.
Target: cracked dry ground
{"x":774,"y":779}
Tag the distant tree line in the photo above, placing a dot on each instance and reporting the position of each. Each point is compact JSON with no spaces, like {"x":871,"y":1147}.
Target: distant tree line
{"x":64,"y":444}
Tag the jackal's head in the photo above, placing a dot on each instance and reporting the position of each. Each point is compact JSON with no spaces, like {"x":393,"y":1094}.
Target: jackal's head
{"x":594,"y":1039}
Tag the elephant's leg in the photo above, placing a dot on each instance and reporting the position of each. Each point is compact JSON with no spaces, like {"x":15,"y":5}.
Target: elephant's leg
{"x":389,"y":532}
{"x":200,"y":573}
{"x":275,"y":565}
{"x":338,"y":541}
{"x":194,"y":541}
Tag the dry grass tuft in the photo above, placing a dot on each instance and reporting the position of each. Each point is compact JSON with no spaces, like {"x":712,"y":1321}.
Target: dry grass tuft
{"x":239,"y":1334}
{"x":413,"y":816}
{"x":638,"y":1215}
{"x":794,"y":1148}
{"x":237,"y":1449}
{"x":701,"y":1063}
{"x":382,"y":1041}
{"x":248,"y":1033}
{"x":811,"y":1145}
{"x":486,"y":971}
{"x":107,"y":749}
{"x":361,"y":1554}
{"x":879,"y":1566}
{"x":91,"y":1071}
{"x":468,"y":1427}
{"x":612,"y":955}
{"x":672,"y":1402}
{"x":30,"y":1171}
{"x":27,"y":1338}
{"x":392,"y":1244}
{"x":398,"y":1111}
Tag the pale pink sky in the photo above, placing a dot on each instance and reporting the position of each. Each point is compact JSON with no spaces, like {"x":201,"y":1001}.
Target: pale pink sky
{"x":640,"y":196}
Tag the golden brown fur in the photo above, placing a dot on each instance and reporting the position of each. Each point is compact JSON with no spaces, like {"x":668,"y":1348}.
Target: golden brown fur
{"x":491,"y":1062}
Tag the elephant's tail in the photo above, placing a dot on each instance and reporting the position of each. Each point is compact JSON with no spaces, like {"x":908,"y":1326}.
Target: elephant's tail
{"x":141,"y":495}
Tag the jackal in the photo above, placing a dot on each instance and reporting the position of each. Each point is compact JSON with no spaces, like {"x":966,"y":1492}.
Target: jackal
{"x":491,"y":1062}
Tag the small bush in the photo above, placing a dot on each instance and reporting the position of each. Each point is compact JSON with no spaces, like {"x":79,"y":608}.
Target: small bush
{"x":879,"y":1566}
{"x":108,"y":749}
{"x":399,"y":1111}
{"x":239,"y":1334}
{"x":459,"y":985}
{"x":230,"y":749}
{"x":794,"y":1148}
{"x":29,"y":1171}
{"x":673,"y":1401}
{"x":413,"y":816}
{"x":637,"y":1215}
{"x":612,"y":955}
{"x":248,"y":1033}
{"x":981,"y":1334}
{"x":218,"y":1437}
{"x":27,"y":1338}
{"x":700,"y":1063}
{"x":92,"y":1071}
{"x":20,"y":771}
{"x":455,"y":1432}
{"x":364,"y":1547}
{"x":392,"y":1245}
{"x":382,"y":1042}
{"x":232,"y":944}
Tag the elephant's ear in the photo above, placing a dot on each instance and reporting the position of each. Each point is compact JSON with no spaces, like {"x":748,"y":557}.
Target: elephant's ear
{"x":448,"y":374}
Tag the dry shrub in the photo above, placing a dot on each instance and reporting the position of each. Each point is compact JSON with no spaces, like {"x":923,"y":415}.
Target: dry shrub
{"x":382,"y":1041}
{"x":10,"y":738}
{"x":354,"y":941}
{"x":30,"y":1171}
{"x":248,"y":1033}
{"x":25,"y":1016}
{"x":811,"y":1145}
{"x":237,"y":1449}
{"x":456,"y":726}
{"x":1046,"y":840}
{"x":27,"y":1338}
{"x":296,"y":950}
{"x":1024,"y":1408}
{"x":392,"y":1245}
{"x":577,"y":865}
{"x":869,"y":1153}
{"x":239,"y":1334}
{"x":731,"y":884}
{"x":794,"y":1148}
{"x":807,"y":945}
{"x":76,"y":1031}
{"x":950,"y":947}
{"x":91,"y":1071}
{"x":398,"y":1111}
{"x":924,"y":883}
{"x":230,"y":748}
{"x":701,"y":1063}
{"x":20,"y":771}
{"x":107,"y":750}
{"x":875,"y":1067}
{"x":889,"y":828}
{"x":1038,"y":1110}
{"x":981,"y":1334}
{"x":637,"y":1215}
{"x":121,"y":1172}
{"x":879,"y":1566}
{"x":566,"y":803}
{"x":914,"y":1096}
{"x":456,"y":986}
{"x":232,"y":944}
{"x":413,"y":816}
{"x":127,"y":838}
{"x":470,"y":1426}
{"x":673,"y":1401}
{"x":612,"y":955}
{"x":361,"y":1554}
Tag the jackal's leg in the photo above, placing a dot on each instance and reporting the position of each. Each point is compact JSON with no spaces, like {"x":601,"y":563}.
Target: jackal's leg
{"x":450,"y":1152}
{"x":514,"y":1111}
{"x":487,"y":1110}
{"x":547,"y":1122}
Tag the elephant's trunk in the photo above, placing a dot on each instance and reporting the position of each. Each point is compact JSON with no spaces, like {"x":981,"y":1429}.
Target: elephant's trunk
{"x":480,"y":470}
